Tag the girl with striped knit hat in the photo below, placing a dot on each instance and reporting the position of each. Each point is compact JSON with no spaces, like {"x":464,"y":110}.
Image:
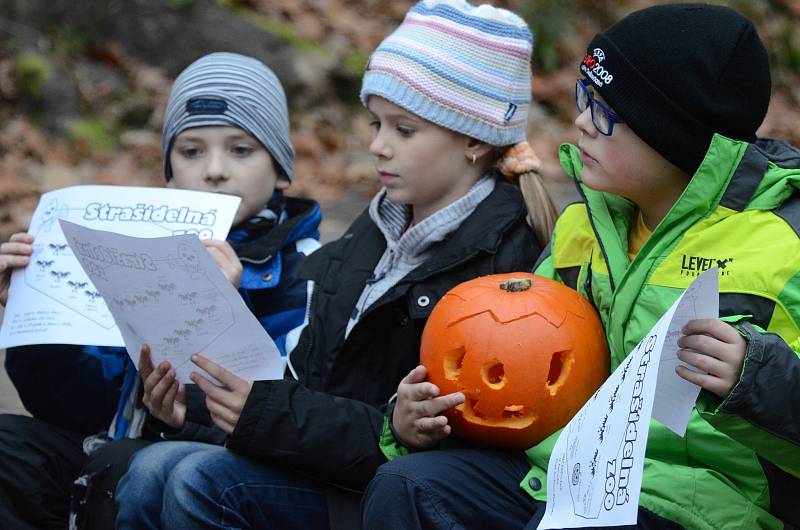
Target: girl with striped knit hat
{"x":449,"y":93}
{"x":460,"y":73}
{"x":466,"y":70}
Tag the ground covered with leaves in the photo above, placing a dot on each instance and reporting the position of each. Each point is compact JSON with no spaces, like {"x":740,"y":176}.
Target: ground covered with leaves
{"x":82,"y":103}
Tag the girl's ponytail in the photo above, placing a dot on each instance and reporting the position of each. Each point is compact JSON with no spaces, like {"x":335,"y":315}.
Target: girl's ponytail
{"x":520,"y":165}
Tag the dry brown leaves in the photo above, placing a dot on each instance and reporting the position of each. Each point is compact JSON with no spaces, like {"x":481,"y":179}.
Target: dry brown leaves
{"x":331,"y":140}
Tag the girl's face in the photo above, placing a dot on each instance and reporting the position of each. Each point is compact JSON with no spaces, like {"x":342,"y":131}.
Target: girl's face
{"x":420,"y":163}
{"x":225,"y":159}
{"x":625,"y":165}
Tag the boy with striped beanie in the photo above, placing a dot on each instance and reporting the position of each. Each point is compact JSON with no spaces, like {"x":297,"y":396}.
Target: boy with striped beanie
{"x":231,"y":90}
{"x":226,"y":130}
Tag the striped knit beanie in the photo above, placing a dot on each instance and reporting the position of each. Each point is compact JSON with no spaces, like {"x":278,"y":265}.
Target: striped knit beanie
{"x":463,"y":67}
{"x":230,"y":89}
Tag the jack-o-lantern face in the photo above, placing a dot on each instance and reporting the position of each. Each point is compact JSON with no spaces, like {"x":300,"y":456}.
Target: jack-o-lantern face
{"x":526,"y":351}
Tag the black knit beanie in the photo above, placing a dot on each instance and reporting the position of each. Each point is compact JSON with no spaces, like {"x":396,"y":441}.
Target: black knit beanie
{"x":679,"y":73}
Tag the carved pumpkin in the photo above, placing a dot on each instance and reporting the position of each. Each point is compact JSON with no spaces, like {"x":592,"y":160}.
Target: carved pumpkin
{"x":526,"y":351}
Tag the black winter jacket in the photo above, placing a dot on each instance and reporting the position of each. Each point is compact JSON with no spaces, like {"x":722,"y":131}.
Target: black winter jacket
{"x":327,"y":423}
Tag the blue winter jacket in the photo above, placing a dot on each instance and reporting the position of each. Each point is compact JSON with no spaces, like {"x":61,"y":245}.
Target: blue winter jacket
{"x":82,"y":388}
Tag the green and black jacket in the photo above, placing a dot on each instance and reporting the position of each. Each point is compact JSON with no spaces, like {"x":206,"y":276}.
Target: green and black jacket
{"x":739,"y":463}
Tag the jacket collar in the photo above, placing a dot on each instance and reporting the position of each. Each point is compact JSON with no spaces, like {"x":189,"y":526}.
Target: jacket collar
{"x":612,"y":214}
{"x":734,"y":175}
{"x":480,"y":232}
{"x":302,"y":220}
{"x":392,"y":219}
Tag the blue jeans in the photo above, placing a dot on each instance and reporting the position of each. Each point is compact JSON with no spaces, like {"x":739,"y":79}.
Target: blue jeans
{"x":195,"y":485}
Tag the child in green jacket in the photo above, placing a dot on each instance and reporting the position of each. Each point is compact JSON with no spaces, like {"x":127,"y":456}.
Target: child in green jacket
{"x":675,"y":181}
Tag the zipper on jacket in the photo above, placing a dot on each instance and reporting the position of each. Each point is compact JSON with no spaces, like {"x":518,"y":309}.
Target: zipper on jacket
{"x":597,"y":236}
{"x":309,"y":306}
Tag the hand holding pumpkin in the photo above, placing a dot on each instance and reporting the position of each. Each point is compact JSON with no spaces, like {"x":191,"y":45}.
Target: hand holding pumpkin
{"x":715,"y":348}
{"x":416,"y":419}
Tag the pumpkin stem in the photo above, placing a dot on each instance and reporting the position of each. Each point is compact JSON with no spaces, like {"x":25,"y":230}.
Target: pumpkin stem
{"x":515,"y":285}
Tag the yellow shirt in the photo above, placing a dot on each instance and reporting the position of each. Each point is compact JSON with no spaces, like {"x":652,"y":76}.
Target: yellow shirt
{"x":638,"y":233}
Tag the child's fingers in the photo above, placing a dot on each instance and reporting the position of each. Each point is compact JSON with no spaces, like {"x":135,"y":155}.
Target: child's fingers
{"x":703,"y":362}
{"x":224,"y":255}
{"x":19,"y":244}
{"x":159,"y":392}
{"x":430,"y":431}
{"x":223,"y":247}
{"x":428,"y":426}
{"x":145,"y":362}
{"x":219,"y":258}
{"x":728,"y":352}
{"x":168,"y":403}
{"x":222,"y":262}
{"x":701,"y":343}
{"x":434,"y":406}
{"x":419,"y":391}
{"x":417,"y":375}
{"x":22,"y":237}
{"x":10,"y":261}
{"x":222,"y":411}
{"x":713,"y":327}
{"x":226,"y":377}
{"x":220,"y":416}
{"x":210,"y":389}
{"x":13,"y":248}
{"x":706,"y":381}
{"x":222,"y":424}
{"x":155,"y":377}
{"x":151,"y":383}
{"x":225,"y":396}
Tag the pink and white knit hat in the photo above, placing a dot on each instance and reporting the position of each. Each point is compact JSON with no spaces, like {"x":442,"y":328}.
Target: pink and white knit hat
{"x":463,"y":67}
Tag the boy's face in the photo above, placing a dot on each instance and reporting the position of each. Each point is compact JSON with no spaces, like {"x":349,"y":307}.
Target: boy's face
{"x":225,"y":159}
{"x":625,"y":165}
{"x":420,"y":163}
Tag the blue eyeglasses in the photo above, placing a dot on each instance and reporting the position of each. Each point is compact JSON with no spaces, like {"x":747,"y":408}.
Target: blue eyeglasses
{"x":603,"y":118}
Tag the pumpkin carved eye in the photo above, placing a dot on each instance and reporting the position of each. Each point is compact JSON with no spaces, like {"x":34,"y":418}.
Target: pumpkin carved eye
{"x":453,"y":360}
{"x":560,"y":365}
{"x":527,"y":352}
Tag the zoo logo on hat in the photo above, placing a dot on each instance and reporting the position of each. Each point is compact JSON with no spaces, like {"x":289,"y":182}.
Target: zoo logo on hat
{"x":594,"y":70}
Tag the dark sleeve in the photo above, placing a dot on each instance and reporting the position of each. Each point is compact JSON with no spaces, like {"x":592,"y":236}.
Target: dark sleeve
{"x":64,"y":385}
{"x":331,"y":438}
{"x":763,"y":410}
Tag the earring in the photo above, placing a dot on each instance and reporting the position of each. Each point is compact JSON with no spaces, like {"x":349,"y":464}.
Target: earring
{"x":474,"y":158}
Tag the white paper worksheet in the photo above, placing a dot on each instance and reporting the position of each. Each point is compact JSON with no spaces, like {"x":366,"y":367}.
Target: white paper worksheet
{"x":594,"y":476}
{"x":52,"y":301}
{"x":168,"y":292}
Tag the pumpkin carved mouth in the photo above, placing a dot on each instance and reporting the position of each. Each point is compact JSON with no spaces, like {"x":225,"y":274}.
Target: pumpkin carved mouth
{"x":514,"y":416}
